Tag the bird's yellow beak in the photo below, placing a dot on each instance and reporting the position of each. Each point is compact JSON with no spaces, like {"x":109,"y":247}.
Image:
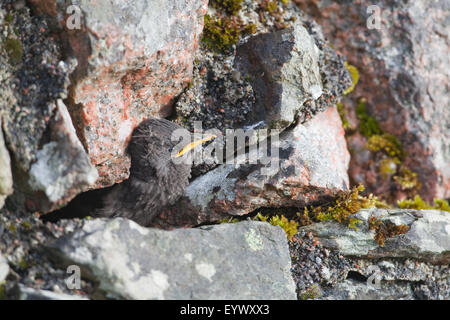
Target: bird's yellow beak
{"x":194,"y":144}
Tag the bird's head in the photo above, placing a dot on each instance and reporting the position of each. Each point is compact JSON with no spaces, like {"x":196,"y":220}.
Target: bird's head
{"x":156,"y":154}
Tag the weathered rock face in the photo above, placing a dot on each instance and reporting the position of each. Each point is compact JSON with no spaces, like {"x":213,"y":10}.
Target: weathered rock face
{"x":4,"y":269}
{"x":427,"y":239}
{"x":6,"y":182}
{"x":404,"y":77}
{"x":25,"y":293}
{"x":50,"y":165}
{"x":133,"y":60}
{"x":311,"y":165}
{"x":283,"y":68}
{"x":203,"y":263}
{"x":271,"y":79}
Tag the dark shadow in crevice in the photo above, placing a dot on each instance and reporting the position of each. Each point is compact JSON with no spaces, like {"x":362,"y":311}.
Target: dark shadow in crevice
{"x":81,"y":206}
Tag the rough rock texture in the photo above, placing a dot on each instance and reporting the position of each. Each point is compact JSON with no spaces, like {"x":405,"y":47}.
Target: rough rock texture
{"x":134,"y":58}
{"x":4,"y":269}
{"x":351,"y":289}
{"x":315,"y":266}
{"x":227,"y":84}
{"x":427,"y":239}
{"x":310,"y":166}
{"x":50,"y":165}
{"x":6,"y":181}
{"x":25,"y":293}
{"x":247,"y":260}
{"x":405,"y":78}
{"x":283,"y":69}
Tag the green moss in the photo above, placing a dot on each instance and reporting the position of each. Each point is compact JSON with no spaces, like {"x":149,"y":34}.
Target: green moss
{"x":346,"y":204}
{"x":26,"y":225}
{"x":272,"y":7}
{"x":228,"y":220}
{"x":385,"y":229}
{"x":14,"y":50}
{"x":387,"y":167}
{"x":419,"y":204}
{"x":355,"y":77}
{"x":368,"y":126}
{"x":289,"y":226}
{"x":9,"y":18}
{"x":2,"y":290}
{"x":408,"y":179}
{"x":230,"y":6}
{"x":23,"y":264}
{"x":388,"y":144}
{"x":343,"y":115}
{"x":220,"y":34}
{"x":311,"y":293}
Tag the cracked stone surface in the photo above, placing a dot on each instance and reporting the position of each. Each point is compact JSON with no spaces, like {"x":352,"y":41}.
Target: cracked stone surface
{"x":130,"y":261}
{"x":428,"y":238}
{"x":133,"y":59}
{"x":310,"y":166}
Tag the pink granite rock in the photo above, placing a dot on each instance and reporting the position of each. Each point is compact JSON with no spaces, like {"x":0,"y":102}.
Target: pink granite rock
{"x":404,"y":68}
{"x":134,"y":58}
{"x":313,"y":162}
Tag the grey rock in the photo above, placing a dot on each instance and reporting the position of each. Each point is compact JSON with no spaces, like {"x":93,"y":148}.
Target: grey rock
{"x":6,"y":181}
{"x":26,"y":293}
{"x":351,"y":289}
{"x":404,"y":69}
{"x":49,"y":163}
{"x":283,"y":68}
{"x":311,"y":165}
{"x":133,"y":59}
{"x":4,"y":268}
{"x":428,"y":237}
{"x":247,"y":260}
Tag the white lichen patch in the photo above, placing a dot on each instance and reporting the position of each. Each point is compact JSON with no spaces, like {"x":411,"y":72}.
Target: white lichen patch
{"x":188,"y":257}
{"x":200,"y":191}
{"x":206,"y":270}
{"x":134,"y":226}
{"x":254,"y":240}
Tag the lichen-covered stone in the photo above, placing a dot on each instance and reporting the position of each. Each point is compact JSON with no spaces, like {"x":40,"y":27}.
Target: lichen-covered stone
{"x":134,"y":58}
{"x":6,"y":182}
{"x":283,"y":69}
{"x":50,"y":165}
{"x":404,"y":76}
{"x":4,"y":269}
{"x":311,"y":166}
{"x":247,"y":260}
{"x":427,"y":239}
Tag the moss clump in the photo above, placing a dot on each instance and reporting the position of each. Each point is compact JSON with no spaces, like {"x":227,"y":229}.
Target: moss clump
{"x":2,"y":290}
{"x":388,"y":144}
{"x":354,"y":73}
{"x":289,"y":226}
{"x":14,"y":50}
{"x":387,"y":167}
{"x":228,"y":220}
{"x":343,"y":115}
{"x":368,"y":126}
{"x":230,"y":6}
{"x":272,"y":7}
{"x":419,"y":204}
{"x":408,"y":179}
{"x":386,"y":229}
{"x":346,"y":204}
{"x":220,"y":34}
{"x":311,"y":293}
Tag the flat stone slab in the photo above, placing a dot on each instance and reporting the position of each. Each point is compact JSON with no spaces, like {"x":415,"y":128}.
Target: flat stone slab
{"x":428,"y":237}
{"x":246,"y":260}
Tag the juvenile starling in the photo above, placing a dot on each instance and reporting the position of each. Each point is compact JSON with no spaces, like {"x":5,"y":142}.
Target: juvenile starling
{"x":155,"y":180}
